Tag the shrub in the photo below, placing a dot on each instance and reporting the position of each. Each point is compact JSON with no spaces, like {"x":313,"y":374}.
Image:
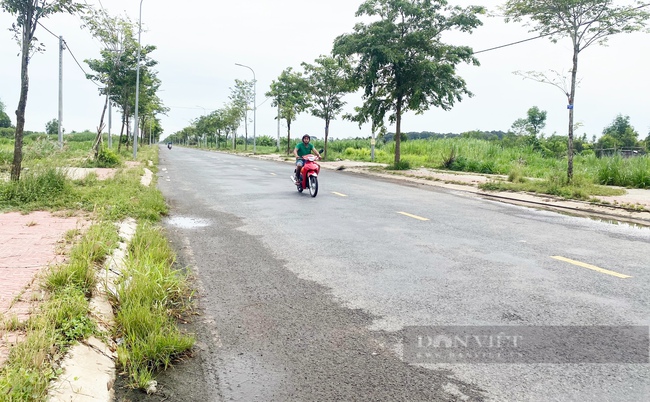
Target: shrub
{"x":7,"y":132}
{"x":107,"y":158}
{"x":48,"y":187}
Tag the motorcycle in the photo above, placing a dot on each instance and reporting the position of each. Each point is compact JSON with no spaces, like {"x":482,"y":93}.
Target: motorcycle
{"x":169,"y":145}
{"x":308,"y":175}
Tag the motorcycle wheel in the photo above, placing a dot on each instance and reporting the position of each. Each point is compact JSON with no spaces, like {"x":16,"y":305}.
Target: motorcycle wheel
{"x":313,"y":185}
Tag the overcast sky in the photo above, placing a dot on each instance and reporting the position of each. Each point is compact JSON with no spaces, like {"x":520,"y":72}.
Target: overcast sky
{"x":198,"y":43}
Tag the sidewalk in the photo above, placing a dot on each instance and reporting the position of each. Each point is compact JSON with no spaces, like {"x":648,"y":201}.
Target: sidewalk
{"x":28,"y":243}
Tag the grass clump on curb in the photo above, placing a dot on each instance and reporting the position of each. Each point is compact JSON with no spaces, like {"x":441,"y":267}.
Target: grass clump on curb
{"x":95,"y":246}
{"x":59,"y":322}
{"x":150,"y":297}
{"x":555,"y":184}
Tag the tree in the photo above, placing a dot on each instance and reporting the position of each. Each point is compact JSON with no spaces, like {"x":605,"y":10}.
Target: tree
{"x":328,"y":80}
{"x":113,"y":32}
{"x":52,"y":127}
{"x":534,"y":122}
{"x":5,"y":121}
{"x":116,"y":70}
{"x":400,"y":60}
{"x":622,"y":132}
{"x":241,"y":96}
{"x":585,"y":22}
{"x":28,"y":13}
{"x":291,"y":94}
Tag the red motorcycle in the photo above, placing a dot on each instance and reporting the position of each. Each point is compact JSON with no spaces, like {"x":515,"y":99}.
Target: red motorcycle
{"x":308,"y":175}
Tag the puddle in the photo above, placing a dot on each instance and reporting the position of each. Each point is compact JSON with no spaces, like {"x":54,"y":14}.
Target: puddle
{"x":187,"y":223}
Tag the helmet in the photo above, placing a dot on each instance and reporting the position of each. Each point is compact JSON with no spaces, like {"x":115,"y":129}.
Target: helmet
{"x":306,"y":136}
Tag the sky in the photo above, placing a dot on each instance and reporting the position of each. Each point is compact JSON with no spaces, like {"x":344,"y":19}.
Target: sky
{"x":199,"y":42}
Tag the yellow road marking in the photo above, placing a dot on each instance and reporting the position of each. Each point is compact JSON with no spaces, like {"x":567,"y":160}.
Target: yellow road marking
{"x":413,"y":216}
{"x":273,"y":174}
{"x":339,"y":194}
{"x":592,"y":267}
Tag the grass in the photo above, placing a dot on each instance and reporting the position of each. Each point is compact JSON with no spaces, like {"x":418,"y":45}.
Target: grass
{"x":150,"y":296}
{"x":148,"y":301}
{"x":60,"y":321}
{"x":554,"y":184}
{"x":520,"y":162}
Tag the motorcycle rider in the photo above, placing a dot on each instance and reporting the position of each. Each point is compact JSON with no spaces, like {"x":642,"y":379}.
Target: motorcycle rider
{"x":303,"y":148}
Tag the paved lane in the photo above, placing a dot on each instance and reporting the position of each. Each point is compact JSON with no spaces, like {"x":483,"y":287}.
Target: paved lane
{"x":366,"y":258}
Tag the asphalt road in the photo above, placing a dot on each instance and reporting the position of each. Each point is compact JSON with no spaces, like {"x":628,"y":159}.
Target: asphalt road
{"x":307,"y":298}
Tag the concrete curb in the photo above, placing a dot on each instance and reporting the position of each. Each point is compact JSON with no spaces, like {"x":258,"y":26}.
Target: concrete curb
{"x":89,"y":367}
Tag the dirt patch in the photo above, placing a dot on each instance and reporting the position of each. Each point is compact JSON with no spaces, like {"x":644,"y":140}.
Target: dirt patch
{"x":76,"y":173}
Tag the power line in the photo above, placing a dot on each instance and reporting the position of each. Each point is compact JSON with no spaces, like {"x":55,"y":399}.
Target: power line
{"x":542,"y":36}
{"x":43,"y":26}
{"x":68,"y":49}
{"x":513,"y":43}
{"x":75,"y":60}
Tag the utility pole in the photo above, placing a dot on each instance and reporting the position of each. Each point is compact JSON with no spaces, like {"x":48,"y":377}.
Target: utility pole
{"x":137,"y":88}
{"x":61,"y":47}
{"x":110,"y":141}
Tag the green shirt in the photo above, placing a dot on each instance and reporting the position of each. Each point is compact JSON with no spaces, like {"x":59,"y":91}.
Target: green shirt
{"x":304,"y":149}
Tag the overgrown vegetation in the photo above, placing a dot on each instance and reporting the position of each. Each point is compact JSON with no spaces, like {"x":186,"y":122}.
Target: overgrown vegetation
{"x":147,"y":302}
{"x":150,"y":296}
{"x":58,"y":322}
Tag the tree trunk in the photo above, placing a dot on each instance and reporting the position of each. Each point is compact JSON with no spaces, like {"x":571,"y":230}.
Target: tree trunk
{"x":98,"y":138}
{"x":16,"y":165}
{"x":398,"y":133}
{"x":246,"y":128}
{"x":327,"y":132}
{"x":569,"y":172}
{"x":288,"y":136}
{"x":119,"y":146}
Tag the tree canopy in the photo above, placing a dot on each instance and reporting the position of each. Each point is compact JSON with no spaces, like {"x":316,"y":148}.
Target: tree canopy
{"x":400,"y":60}
{"x":584,"y":22}
{"x":329,"y":81}
{"x":290,"y":92}
{"x":619,"y":134}
{"x":28,"y":13}
{"x":5,"y":120}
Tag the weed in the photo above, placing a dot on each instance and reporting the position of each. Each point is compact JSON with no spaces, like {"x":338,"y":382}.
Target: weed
{"x":151,"y":294}
{"x":401,"y":165}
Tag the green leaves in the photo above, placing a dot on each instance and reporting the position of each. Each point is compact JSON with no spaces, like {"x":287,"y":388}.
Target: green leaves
{"x":290,"y":93}
{"x":584,"y":21}
{"x":400,"y":60}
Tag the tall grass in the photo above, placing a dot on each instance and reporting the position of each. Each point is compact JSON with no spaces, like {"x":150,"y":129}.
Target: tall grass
{"x":93,"y":249}
{"x":627,"y":172}
{"x":45,"y":187}
{"x":150,"y":296}
{"x":492,"y":157}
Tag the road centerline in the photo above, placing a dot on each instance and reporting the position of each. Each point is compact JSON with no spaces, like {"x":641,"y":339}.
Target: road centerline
{"x":592,"y":267}
{"x":413,"y":216}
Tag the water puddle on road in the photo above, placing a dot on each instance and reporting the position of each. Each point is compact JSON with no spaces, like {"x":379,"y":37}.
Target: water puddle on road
{"x":185,"y":222}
